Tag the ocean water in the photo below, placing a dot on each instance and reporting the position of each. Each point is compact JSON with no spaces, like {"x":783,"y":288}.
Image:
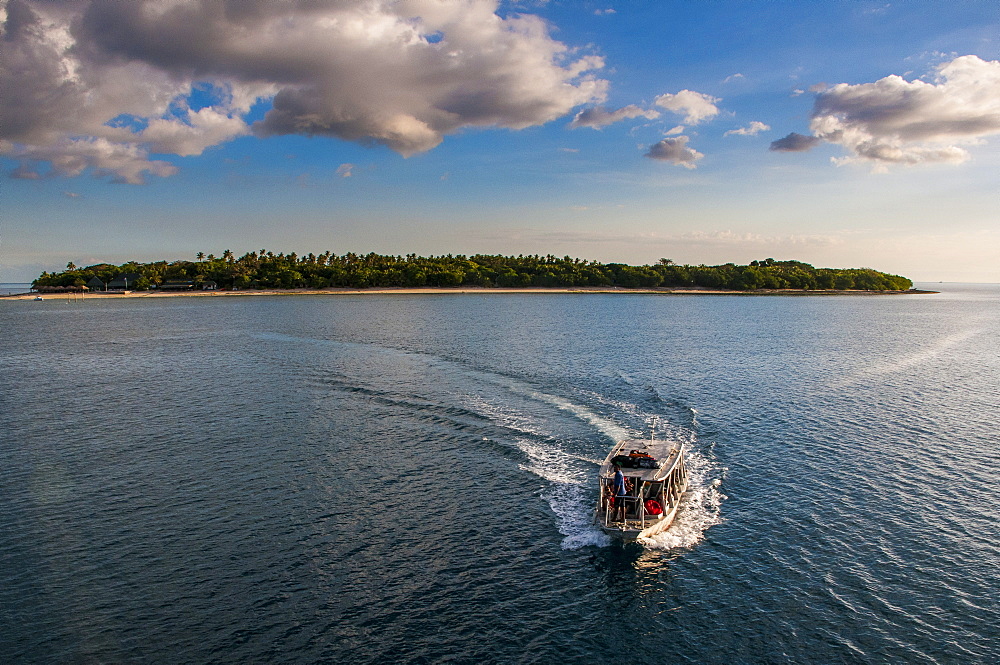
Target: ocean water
{"x":411,"y":479}
{"x":12,"y":288}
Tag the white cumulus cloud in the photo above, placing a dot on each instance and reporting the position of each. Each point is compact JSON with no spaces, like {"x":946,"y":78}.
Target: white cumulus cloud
{"x":755,"y":127}
{"x":696,"y":107}
{"x":104,"y":84}
{"x":190,"y":135}
{"x":895,"y":121}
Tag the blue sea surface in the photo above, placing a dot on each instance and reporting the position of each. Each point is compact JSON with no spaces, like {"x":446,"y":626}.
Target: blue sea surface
{"x":411,"y":478}
{"x":13,"y":288}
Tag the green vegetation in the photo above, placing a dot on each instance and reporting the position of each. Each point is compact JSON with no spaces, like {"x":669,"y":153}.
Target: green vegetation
{"x":265,"y":270}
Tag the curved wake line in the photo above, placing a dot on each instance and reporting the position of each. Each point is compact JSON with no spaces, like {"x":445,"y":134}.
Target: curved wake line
{"x":568,"y":474}
{"x":573,"y":505}
{"x":573,"y":502}
{"x":571,"y":493}
{"x":919,"y":358}
{"x":607,"y":427}
{"x":571,"y":476}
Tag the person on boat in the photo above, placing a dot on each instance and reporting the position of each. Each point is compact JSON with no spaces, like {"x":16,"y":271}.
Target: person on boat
{"x":620,"y":491}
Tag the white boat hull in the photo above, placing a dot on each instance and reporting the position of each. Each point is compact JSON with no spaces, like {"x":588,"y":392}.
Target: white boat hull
{"x":634,"y":530}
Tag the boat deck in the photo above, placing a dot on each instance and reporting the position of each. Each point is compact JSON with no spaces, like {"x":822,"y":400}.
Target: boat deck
{"x":664,"y":485}
{"x":667,"y":452}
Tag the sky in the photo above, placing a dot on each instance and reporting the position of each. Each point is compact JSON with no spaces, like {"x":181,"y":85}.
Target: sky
{"x":842,"y":134}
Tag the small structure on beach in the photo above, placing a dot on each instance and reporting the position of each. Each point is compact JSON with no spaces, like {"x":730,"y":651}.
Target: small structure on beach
{"x":96,"y":284}
{"x":176,"y":285}
{"x":123,"y":281}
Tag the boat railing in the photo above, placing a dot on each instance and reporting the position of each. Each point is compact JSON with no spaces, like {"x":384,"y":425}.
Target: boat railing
{"x":668,"y":492}
{"x":608,"y":499}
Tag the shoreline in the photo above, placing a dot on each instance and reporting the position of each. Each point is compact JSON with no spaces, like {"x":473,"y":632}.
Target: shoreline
{"x":457,"y":290}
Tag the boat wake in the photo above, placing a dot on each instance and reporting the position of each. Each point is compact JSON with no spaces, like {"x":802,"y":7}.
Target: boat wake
{"x":919,"y":357}
{"x":562,"y":440}
{"x":700,"y":509}
{"x":571,"y":474}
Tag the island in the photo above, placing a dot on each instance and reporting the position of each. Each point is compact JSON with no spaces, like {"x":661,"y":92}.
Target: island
{"x":265,"y":271}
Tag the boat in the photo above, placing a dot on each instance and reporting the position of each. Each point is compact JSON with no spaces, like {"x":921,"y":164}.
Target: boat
{"x":38,"y":297}
{"x":656,"y":479}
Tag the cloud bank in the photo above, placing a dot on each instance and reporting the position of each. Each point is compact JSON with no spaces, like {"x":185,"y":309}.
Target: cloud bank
{"x":895,"y":121}
{"x":103,"y":84}
{"x":725,"y":239}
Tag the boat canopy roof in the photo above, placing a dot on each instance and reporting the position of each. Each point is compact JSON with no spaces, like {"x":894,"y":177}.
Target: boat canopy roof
{"x":667,"y":453}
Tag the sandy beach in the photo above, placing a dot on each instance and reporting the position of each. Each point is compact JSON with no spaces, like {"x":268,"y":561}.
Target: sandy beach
{"x":465,"y":290}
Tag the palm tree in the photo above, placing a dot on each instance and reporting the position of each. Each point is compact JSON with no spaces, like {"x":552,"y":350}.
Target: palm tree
{"x":200,"y":256}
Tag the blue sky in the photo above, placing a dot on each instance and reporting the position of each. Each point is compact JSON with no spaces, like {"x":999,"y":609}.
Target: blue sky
{"x":843,"y":134}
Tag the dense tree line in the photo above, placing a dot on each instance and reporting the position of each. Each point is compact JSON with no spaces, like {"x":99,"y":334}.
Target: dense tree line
{"x":264,"y":269}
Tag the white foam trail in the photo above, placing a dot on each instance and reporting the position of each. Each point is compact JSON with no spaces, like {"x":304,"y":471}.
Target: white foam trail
{"x":569,"y":498}
{"x":568,"y":495}
{"x":625,"y":407}
{"x":564,"y":472}
{"x":664,"y":429}
{"x":510,"y":420}
{"x":551,"y":463}
{"x":572,"y":489}
{"x":700,"y":509}
{"x":607,"y":427}
{"x":574,"y":513}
